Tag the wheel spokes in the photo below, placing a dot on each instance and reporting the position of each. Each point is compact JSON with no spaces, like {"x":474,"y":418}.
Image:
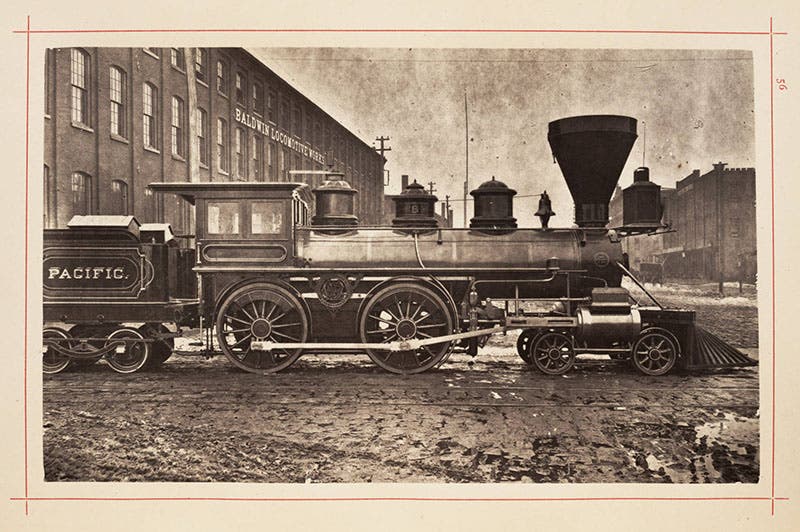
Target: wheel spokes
{"x":406,"y":312}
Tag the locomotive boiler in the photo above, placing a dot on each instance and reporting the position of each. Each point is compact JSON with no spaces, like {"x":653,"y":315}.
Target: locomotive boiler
{"x":272,"y":284}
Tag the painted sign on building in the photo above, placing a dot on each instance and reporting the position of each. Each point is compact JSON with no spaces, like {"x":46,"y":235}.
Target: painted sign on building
{"x":272,"y":132}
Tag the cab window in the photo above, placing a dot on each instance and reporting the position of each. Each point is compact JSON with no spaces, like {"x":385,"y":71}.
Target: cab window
{"x":266,"y":218}
{"x":223,"y":218}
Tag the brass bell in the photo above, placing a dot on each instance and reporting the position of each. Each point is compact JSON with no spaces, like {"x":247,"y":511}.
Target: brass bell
{"x":545,"y":210}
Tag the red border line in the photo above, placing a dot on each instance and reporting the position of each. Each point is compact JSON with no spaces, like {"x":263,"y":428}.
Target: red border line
{"x":25,"y":304}
{"x":401,"y":30}
{"x":772,"y":191}
{"x":400,"y":499}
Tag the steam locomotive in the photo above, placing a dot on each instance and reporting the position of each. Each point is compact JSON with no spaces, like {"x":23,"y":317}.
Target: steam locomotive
{"x":266,"y":284}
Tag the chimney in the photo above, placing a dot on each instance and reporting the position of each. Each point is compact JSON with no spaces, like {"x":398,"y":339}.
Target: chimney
{"x":403,"y":182}
{"x":720,"y":166}
{"x":591,"y":151}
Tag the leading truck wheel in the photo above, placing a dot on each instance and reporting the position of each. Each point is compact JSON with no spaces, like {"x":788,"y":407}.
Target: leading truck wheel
{"x":526,"y":339}
{"x":129,"y":356}
{"x":655,"y":352}
{"x":261,"y":312}
{"x":406,"y":311}
{"x":553,"y":353}
{"x":52,"y":361}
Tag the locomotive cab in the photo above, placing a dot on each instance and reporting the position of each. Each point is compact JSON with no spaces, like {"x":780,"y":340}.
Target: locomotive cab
{"x":241,"y":229}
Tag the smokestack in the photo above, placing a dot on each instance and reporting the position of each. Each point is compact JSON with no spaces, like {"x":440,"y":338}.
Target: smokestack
{"x":591,"y":151}
{"x":403,"y":182}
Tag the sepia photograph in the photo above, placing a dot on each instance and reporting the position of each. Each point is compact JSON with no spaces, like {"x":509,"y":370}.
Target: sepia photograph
{"x":355,"y":265}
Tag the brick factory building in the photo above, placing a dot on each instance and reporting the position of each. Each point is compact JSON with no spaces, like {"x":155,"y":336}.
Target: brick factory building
{"x":117,"y":119}
{"x":713,"y":222}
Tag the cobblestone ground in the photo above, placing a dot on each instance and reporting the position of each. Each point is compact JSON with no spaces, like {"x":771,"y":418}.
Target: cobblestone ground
{"x":339,"y":419}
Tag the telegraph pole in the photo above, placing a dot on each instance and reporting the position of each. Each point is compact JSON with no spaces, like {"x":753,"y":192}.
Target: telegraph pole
{"x":430,"y":187}
{"x":466,"y":156}
{"x":383,"y":148}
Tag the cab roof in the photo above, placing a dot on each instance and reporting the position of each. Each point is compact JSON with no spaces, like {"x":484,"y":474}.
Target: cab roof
{"x":233,"y":190}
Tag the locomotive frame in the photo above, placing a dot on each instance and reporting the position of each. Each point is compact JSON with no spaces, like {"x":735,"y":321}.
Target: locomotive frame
{"x":271,"y":285}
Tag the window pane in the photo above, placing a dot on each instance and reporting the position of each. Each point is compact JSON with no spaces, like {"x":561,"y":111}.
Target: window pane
{"x":222,"y":82}
{"x":200,"y":64}
{"x":266,"y":218}
{"x":223,"y":218}
{"x":117,"y":96}
{"x":78,"y":79}
{"x":149,"y":118}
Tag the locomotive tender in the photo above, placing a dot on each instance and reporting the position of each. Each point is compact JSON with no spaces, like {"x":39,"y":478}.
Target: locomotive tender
{"x":267,"y":284}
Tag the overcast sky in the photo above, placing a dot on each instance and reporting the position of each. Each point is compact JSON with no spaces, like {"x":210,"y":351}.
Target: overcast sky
{"x":697,"y":106}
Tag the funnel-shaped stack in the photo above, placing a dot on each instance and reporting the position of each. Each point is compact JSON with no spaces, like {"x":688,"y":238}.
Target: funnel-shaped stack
{"x":591,"y":151}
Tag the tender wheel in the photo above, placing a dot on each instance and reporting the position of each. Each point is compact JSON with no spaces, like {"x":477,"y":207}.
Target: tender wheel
{"x":524,"y":343}
{"x":52,"y":361}
{"x":262,"y":312}
{"x":88,"y":331}
{"x":402,"y":312}
{"x":655,"y":352}
{"x":131,"y":356}
{"x":553,"y":353}
{"x":160,"y":350}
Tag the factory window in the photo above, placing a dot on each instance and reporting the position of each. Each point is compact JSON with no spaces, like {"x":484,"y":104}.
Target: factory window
{"x":271,"y":106}
{"x":271,"y":168}
{"x":118,"y":95}
{"x":258,"y":98}
{"x":239,"y":148}
{"x":47,"y":81}
{"x":222,"y":145}
{"x":81,"y":193}
{"x":200,"y":64}
{"x":283,"y":156}
{"x":202,"y":135}
{"x":240,"y":87}
{"x":119,"y":197}
{"x":283,"y":112}
{"x":327,"y":140}
{"x":308,"y":135}
{"x":178,"y":127}
{"x":177,"y":58}
{"x":79,"y":79}
{"x":150,"y":115}
{"x":296,"y":121}
{"x":258,"y":157}
{"x":222,"y":77}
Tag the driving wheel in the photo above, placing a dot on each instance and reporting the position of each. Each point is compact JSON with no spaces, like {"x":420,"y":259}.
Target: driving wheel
{"x":406,"y":311}
{"x":261,"y":312}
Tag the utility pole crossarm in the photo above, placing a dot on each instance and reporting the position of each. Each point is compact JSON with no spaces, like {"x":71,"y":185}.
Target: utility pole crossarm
{"x":383,"y":149}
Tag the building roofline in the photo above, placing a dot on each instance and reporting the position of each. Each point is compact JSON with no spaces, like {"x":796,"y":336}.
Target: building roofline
{"x":308,"y":100}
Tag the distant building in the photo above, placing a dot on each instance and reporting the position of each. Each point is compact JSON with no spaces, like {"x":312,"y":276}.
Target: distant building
{"x":712,"y":219}
{"x":117,"y":119}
